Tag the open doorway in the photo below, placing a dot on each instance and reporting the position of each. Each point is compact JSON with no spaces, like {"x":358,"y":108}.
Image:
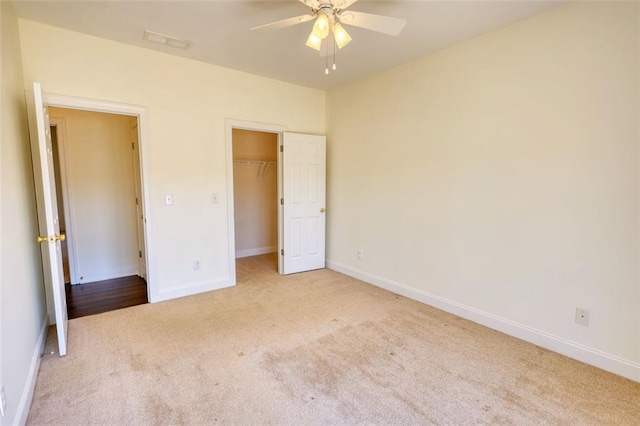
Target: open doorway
{"x":255,"y":186}
{"x":98,"y":184}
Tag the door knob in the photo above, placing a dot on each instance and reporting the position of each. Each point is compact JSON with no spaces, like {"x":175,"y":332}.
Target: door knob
{"x":43,"y":239}
{"x":322,"y":210}
{"x":61,"y":237}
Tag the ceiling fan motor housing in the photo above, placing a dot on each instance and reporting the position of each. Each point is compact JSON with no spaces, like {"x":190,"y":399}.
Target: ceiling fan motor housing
{"x":326,"y":9}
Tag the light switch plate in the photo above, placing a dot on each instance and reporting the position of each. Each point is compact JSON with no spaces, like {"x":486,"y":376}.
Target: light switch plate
{"x":168,"y":199}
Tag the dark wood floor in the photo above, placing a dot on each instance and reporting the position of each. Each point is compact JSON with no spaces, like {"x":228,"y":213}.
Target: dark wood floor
{"x":104,"y":296}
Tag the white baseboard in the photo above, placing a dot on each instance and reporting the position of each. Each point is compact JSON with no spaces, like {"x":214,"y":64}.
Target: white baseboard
{"x":30,"y":384}
{"x":111,"y":274}
{"x":190,"y":289}
{"x":255,"y":252}
{"x":586,"y":354}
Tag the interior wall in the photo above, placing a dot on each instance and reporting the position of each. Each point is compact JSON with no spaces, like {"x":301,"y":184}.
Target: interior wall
{"x":100,"y":184}
{"x":187,"y":103}
{"x":22,"y":310}
{"x":500,"y":177}
{"x":255,"y":190}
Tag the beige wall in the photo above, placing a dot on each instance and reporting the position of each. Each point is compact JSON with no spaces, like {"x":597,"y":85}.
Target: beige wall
{"x":187,"y":103}
{"x":500,"y":177}
{"x":255,"y":193}
{"x":22,"y":304}
{"x":100,"y":184}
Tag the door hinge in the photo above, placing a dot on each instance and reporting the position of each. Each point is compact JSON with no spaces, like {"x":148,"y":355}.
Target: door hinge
{"x":281,"y":201}
{"x":281,"y":252}
{"x":281,"y":148}
{"x":136,"y":201}
{"x":140,"y":254}
{"x":133,"y":146}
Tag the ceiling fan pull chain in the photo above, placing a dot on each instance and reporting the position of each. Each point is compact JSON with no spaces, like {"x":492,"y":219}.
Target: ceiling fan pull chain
{"x":326,"y":62}
{"x":335,"y":53}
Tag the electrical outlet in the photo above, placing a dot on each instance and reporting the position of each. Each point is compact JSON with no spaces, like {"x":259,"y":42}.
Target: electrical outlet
{"x":214,"y":198}
{"x":3,"y":402}
{"x":582,"y":317}
{"x":196,"y":265}
{"x":168,"y":199}
{"x":360,"y":254}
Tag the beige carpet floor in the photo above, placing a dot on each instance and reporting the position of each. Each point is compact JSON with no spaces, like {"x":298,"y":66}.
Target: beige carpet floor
{"x":313,"y":348}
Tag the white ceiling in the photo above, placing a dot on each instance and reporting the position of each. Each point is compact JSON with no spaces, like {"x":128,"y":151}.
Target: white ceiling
{"x":219,"y":31}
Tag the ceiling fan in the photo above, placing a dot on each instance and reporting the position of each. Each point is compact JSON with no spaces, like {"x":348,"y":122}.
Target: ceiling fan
{"x":329,"y":16}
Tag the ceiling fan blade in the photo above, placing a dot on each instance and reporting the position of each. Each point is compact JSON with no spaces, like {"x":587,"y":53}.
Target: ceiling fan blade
{"x":284,"y":23}
{"x":313,"y":4}
{"x":342,"y":4}
{"x":369,"y":21}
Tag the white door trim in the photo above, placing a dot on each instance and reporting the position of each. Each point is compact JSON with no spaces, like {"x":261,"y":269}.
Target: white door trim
{"x":231,"y":124}
{"x":137,"y":185}
{"x":72,"y":248}
{"x":142,"y":113}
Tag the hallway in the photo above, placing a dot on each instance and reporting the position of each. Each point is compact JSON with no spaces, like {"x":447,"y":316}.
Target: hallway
{"x":104,"y":296}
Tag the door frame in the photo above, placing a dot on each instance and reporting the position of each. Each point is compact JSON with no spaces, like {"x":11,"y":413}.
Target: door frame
{"x":137,"y":185}
{"x":141,"y":113}
{"x":61,"y":137}
{"x":231,"y":124}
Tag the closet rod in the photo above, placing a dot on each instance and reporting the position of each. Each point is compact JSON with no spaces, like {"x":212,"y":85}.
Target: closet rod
{"x":270,"y":163}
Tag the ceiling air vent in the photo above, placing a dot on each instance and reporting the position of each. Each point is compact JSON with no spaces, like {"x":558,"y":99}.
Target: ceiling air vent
{"x":166,"y":40}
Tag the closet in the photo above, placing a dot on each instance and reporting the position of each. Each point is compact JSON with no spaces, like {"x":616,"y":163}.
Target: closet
{"x":255,"y":187}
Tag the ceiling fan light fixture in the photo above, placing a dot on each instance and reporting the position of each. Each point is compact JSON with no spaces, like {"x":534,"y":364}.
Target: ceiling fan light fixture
{"x":341,"y":35}
{"x":314,"y":42}
{"x":328,"y":17}
{"x":321,"y":26}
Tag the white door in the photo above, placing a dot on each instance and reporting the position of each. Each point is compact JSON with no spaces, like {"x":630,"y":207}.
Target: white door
{"x":303,"y":213}
{"x":135,"y":145}
{"x":48,"y":224}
